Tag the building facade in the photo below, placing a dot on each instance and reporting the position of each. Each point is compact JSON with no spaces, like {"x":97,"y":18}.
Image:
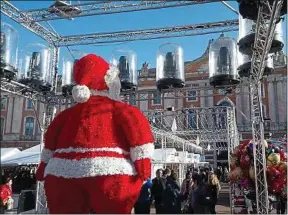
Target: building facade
{"x":19,"y":121}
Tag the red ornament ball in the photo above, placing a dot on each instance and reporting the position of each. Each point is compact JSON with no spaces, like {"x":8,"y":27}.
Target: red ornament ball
{"x":276,"y":186}
{"x":244,"y":161}
{"x":283,"y":156}
{"x":282,"y":167}
{"x":272,"y":172}
{"x":236,"y":152}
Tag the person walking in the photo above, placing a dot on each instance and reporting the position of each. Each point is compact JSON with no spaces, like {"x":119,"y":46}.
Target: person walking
{"x":186,"y":186}
{"x":157,"y":189}
{"x":200,"y":199}
{"x":171,"y":196}
{"x":214,"y":189}
{"x":226,"y":174}
{"x":143,"y":203}
{"x":219,"y":172}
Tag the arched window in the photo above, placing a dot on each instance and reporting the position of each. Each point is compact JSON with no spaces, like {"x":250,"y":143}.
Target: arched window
{"x":132,"y":100}
{"x":225,"y":104}
{"x":157,"y":100}
{"x":157,"y":120}
{"x":3,"y":103}
{"x":192,"y":119}
{"x":29,"y":126}
{"x":29,"y":104}
{"x":2,"y":127}
{"x":221,"y":122}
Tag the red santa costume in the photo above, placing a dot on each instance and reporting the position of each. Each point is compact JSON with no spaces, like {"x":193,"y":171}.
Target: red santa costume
{"x":97,"y":153}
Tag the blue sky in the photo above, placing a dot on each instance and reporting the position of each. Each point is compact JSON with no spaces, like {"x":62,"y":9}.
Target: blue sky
{"x":145,"y":50}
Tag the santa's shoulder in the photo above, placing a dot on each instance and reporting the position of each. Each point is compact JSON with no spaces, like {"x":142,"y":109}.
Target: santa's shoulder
{"x":125,"y":109}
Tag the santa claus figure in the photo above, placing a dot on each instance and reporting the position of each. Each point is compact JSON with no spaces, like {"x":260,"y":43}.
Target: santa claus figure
{"x":97,"y":153}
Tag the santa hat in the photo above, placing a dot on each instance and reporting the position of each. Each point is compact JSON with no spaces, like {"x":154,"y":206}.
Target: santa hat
{"x":94,"y":76}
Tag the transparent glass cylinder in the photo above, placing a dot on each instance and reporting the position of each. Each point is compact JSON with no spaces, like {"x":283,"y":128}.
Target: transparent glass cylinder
{"x":170,"y":66}
{"x":247,"y":29}
{"x":126,"y":61}
{"x":68,"y":61}
{"x":36,"y":65}
{"x":21,"y":64}
{"x":9,"y":48}
{"x":67,"y":71}
{"x":223,"y":62}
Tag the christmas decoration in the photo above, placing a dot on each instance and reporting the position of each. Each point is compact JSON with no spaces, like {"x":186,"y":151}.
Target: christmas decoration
{"x":97,"y":153}
{"x":242,"y":170}
{"x":273,"y":159}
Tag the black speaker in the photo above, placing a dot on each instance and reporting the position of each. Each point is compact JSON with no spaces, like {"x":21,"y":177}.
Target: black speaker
{"x":27,"y":201}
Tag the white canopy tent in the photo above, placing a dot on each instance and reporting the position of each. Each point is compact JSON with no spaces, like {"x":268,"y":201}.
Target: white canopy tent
{"x":8,"y":152}
{"x":26,"y":157}
{"x":167,"y":155}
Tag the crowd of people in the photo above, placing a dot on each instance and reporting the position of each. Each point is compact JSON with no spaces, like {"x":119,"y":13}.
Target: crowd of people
{"x":23,"y":177}
{"x":198,"y":193}
{"x":14,"y":180}
{"x":222,"y":173}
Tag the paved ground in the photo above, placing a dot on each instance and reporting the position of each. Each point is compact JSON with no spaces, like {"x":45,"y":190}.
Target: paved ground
{"x":223,"y":205}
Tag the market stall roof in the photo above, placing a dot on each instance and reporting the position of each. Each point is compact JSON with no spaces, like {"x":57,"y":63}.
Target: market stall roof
{"x":23,"y":158}
{"x":26,"y":157}
{"x":8,"y":152}
{"x":159,"y":153}
{"x":35,"y":149}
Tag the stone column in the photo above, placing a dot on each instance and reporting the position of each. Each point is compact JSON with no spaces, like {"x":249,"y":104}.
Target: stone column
{"x":202,"y":98}
{"x":239,"y":106}
{"x":280,"y":99}
{"x":210,"y":99}
{"x":271,"y":98}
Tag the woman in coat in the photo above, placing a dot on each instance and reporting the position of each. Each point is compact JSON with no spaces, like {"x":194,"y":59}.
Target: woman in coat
{"x":199,"y":196}
{"x":186,"y":186}
{"x":143,"y":203}
{"x":171,"y":196}
{"x":214,"y":189}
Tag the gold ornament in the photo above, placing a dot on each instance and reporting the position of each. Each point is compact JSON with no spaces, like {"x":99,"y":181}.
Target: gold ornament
{"x":252,"y":173}
{"x":273,"y":159}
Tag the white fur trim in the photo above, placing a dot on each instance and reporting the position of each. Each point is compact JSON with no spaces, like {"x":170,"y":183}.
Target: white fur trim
{"x":83,"y":150}
{"x":113,"y":82}
{"x":141,"y":152}
{"x":80,"y":93}
{"x":46,"y":155}
{"x":111,"y":75}
{"x":89,"y":167}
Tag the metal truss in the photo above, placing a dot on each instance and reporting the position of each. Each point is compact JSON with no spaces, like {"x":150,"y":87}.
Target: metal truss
{"x":15,"y":88}
{"x":233,"y":141}
{"x":167,"y":94}
{"x":120,"y":36}
{"x":201,"y":126}
{"x":149,"y":34}
{"x":106,"y":7}
{"x":41,"y":201}
{"x":173,"y":141}
{"x":110,"y":37}
{"x":18,"y":89}
{"x":27,"y":22}
{"x":268,"y":15}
